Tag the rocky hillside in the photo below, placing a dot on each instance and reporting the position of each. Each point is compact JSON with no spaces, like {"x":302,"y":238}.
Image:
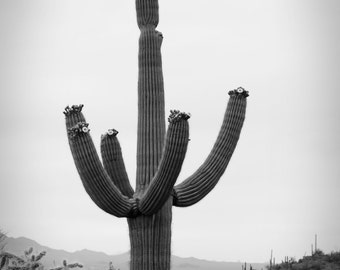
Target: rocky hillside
{"x":93,"y":260}
{"x":318,"y":261}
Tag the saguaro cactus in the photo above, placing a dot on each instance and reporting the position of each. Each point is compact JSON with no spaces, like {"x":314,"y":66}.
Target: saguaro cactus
{"x":160,"y":154}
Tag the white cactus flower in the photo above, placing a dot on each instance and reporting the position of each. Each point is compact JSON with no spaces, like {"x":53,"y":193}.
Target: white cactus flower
{"x":85,"y":129}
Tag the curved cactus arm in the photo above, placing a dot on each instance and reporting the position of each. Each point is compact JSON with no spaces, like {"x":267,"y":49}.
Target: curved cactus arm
{"x":40,"y":255}
{"x":198,"y":185}
{"x":113,"y":162}
{"x":95,"y":179}
{"x":170,"y":165}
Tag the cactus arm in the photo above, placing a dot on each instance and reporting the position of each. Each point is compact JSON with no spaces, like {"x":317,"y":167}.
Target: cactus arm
{"x":40,"y":255}
{"x":175,"y":147}
{"x":95,"y":179}
{"x":113,"y":162}
{"x":198,"y":185}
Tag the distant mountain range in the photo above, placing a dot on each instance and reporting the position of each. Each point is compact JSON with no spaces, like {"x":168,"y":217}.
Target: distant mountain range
{"x":93,"y":260}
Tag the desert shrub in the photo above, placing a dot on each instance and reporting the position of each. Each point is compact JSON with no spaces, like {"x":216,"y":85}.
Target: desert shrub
{"x":28,"y":262}
{"x":67,"y":266}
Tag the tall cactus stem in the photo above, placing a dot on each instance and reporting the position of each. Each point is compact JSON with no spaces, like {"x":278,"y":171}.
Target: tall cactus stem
{"x":151,"y":115}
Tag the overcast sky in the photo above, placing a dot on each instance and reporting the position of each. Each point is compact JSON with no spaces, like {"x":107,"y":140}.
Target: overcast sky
{"x":282,"y":185}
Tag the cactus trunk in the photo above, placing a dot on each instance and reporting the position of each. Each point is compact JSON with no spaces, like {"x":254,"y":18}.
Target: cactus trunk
{"x":160,"y":154}
{"x":150,"y":236}
{"x":150,"y":240}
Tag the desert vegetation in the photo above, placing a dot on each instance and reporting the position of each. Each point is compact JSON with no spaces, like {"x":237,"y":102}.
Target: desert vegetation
{"x":2,"y":240}
{"x":29,"y":261}
{"x":317,"y":261}
{"x":111,"y":267}
{"x":67,"y":266}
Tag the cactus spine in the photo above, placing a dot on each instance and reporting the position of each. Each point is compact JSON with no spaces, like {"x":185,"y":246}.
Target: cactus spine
{"x":148,"y":208}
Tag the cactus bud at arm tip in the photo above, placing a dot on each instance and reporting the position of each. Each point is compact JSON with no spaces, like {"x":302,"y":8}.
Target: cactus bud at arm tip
{"x":240,"y":91}
{"x":176,"y":115}
{"x":73,"y":109}
{"x":112,"y":132}
{"x":73,"y":115}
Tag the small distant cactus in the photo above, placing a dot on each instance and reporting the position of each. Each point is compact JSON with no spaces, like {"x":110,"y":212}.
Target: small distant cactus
{"x":2,"y":240}
{"x":160,"y":155}
{"x":244,"y":267}
{"x":111,"y":267}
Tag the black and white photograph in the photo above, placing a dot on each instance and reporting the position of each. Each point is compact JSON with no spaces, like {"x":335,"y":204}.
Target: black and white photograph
{"x":169,"y":135}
